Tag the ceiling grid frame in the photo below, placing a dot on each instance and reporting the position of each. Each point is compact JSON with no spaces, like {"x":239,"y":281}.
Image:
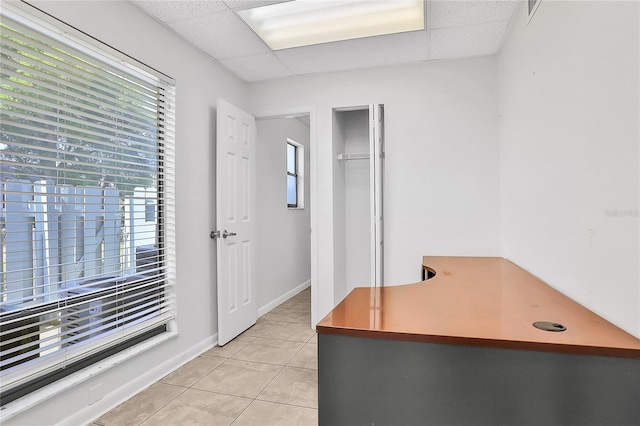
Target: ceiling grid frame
{"x":453,"y":29}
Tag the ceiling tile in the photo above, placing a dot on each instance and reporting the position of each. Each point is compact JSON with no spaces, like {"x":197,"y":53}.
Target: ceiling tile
{"x":458,"y":29}
{"x":476,"y":40}
{"x":458,"y":13}
{"x":250,"y":4}
{"x":222,"y":35}
{"x":171,"y":11}
{"x":358,"y":53}
{"x":257,"y":67}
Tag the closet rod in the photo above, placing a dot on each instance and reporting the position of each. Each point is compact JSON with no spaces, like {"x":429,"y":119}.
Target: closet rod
{"x":354,"y":156}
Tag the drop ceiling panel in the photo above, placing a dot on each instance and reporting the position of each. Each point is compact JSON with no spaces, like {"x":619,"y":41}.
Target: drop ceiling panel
{"x":222,"y":35}
{"x":358,"y":53}
{"x":171,"y":11}
{"x":468,"y":41}
{"x":249,"y":4}
{"x":459,"y":13}
{"x":456,"y":29}
{"x":257,"y":67}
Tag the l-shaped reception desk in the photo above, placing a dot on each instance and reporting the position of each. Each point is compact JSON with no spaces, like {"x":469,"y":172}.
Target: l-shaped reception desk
{"x":461,"y":349}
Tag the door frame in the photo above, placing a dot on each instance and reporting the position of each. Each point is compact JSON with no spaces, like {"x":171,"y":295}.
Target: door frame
{"x":313,"y":185}
{"x":376,"y":183}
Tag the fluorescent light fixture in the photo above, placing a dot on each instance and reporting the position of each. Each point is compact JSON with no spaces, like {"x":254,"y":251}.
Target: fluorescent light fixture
{"x":305,"y":22}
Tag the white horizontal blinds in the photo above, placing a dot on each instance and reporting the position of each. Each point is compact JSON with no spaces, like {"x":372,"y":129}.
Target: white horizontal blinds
{"x":87,"y":165}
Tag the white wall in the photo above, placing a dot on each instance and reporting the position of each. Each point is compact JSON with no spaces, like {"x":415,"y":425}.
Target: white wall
{"x":442,"y":158}
{"x":284,"y":239}
{"x":568,"y":102}
{"x":199,"y":83}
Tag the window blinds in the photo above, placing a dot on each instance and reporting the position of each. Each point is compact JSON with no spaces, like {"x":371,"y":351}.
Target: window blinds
{"x":87,"y":184}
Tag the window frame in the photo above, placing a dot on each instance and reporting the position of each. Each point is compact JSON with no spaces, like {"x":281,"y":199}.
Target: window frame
{"x":43,"y":374}
{"x":298,"y":174}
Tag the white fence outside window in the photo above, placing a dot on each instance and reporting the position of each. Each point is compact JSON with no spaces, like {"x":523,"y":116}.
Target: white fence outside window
{"x":56,"y":234}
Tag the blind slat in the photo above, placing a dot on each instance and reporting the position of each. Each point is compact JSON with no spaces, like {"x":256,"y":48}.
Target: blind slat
{"x":70,"y":65}
{"x":24,"y":79}
{"x":72,"y":125}
{"x":124,"y":164}
{"x":21,"y":94}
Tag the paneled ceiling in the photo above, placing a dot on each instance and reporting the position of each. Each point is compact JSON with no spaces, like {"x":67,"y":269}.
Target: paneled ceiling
{"x":455,"y":29}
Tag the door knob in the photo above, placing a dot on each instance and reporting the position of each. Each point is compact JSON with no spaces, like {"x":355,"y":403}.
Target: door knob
{"x":226,"y":234}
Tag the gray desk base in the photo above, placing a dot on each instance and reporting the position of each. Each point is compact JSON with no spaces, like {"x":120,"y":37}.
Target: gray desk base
{"x":365,"y":381}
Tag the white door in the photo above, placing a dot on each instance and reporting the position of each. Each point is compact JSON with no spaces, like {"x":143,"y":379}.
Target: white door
{"x":376,"y":170}
{"x":236,"y":221}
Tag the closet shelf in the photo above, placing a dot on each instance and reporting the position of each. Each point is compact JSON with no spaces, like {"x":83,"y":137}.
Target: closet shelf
{"x":354,"y":156}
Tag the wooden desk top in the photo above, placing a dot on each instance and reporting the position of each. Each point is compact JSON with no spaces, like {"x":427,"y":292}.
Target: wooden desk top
{"x":477,"y":301}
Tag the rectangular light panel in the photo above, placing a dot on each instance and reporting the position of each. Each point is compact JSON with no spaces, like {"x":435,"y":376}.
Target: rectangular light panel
{"x":306,"y":22}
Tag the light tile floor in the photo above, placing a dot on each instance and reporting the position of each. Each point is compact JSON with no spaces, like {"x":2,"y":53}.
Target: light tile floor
{"x":266,"y":376}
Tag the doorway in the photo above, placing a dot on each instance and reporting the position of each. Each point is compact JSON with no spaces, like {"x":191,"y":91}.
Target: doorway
{"x":358,"y":141}
{"x":284,"y":229}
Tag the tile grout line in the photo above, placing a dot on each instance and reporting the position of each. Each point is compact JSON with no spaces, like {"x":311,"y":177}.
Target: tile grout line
{"x":282,"y":367}
{"x":297,"y":308}
{"x":274,"y":377}
{"x":263,"y":388}
{"x":169,"y":402}
{"x":258,"y":394}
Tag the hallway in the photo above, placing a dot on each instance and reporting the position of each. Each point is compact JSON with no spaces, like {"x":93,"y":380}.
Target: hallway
{"x":265,"y":376}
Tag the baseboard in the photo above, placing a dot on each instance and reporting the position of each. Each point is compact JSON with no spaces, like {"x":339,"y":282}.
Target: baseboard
{"x":149,"y":377}
{"x":139,"y":383}
{"x":288,"y":295}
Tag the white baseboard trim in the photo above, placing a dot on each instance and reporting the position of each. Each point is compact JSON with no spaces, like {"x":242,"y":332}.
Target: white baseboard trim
{"x":139,"y":383}
{"x":90,"y":413}
{"x":288,"y":295}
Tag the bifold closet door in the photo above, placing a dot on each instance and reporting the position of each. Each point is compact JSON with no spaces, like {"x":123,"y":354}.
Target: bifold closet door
{"x":376,"y":170}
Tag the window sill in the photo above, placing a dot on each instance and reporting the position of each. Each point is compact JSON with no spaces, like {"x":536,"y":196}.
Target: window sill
{"x":33,"y":399}
{"x":295,"y":208}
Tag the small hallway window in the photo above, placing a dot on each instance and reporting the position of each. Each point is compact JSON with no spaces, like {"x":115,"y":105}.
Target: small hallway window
{"x":295,"y":166}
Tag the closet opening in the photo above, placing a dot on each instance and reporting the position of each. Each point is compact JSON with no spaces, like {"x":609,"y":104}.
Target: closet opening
{"x":358,"y":142}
